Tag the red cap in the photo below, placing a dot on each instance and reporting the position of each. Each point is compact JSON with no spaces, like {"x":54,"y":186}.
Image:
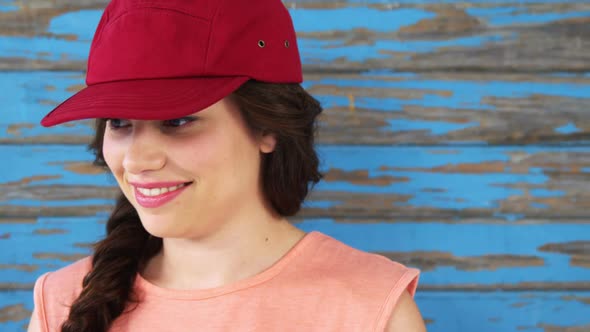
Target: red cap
{"x":165,"y":59}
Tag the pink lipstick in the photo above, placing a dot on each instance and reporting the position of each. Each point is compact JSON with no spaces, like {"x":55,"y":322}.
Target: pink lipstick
{"x":157,"y":200}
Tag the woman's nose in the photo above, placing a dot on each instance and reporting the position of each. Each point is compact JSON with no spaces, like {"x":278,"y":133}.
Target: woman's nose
{"x":145,"y":152}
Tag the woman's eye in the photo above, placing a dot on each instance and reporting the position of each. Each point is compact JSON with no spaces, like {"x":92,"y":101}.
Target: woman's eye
{"x":178,"y":122}
{"x":117,"y":123}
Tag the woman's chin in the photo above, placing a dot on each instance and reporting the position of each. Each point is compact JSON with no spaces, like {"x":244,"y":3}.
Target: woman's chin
{"x":158,"y":227}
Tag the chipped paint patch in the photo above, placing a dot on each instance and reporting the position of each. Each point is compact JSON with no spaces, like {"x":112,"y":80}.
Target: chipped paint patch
{"x":15,"y":129}
{"x":16,"y":220}
{"x":80,"y":167}
{"x":49,"y":231}
{"x":81,"y":23}
{"x":361,"y":177}
{"x":434,"y":127}
{"x":30,"y":180}
{"x":19,"y":267}
{"x":578,"y":250}
{"x":585,"y":300}
{"x":313,"y":20}
{"x":449,"y":21}
{"x":564,"y":328}
{"x":432,"y":260}
{"x":30,"y":48}
{"x":14,"y":313}
{"x":8,"y":6}
{"x":569,"y":128}
{"x":508,"y":16}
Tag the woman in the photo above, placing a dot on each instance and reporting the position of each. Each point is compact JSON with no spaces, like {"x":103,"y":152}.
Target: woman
{"x":203,"y":123}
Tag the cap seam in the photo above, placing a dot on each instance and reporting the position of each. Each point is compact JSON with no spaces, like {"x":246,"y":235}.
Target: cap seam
{"x":213,"y":18}
{"x":128,"y":11}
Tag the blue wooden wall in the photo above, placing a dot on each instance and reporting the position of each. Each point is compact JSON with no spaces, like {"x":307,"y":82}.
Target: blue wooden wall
{"x":456,"y":139}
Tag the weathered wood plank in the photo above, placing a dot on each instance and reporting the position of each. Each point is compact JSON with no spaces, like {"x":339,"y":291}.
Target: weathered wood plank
{"x":467,"y":257}
{"x":371,"y":109}
{"x":451,"y":184}
{"x":15,"y":309}
{"x":349,"y":37}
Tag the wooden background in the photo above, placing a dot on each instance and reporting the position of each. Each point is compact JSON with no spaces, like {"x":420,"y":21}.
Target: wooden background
{"x":455,"y":139}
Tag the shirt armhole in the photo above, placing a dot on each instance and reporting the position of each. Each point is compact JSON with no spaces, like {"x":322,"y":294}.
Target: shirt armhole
{"x":39,"y":301}
{"x":409,"y":282}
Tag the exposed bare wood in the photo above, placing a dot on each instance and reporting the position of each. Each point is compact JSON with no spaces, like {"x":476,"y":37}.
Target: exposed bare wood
{"x":14,"y":313}
{"x":578,"y":250}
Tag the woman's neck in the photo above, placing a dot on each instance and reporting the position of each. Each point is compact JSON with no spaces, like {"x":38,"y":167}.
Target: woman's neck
{"x":221,"y":258}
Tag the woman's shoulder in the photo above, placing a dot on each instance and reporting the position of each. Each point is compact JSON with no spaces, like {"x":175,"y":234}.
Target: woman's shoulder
{"x":55,"y":290}
{"x":344,"y":277}
{"x":335,"y":259}
{"x":69,"y":276}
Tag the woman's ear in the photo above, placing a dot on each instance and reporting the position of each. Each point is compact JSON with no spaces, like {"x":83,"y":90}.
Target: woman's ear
{"x":267,"y":142}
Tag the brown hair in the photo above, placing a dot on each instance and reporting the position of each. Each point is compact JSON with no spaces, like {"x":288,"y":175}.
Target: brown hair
{"x":284,"y":110}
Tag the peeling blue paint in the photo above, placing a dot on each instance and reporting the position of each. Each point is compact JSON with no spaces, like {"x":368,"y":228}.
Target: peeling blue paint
{"x":80,"y":23}
{"x":7,"y":8}
{"x":30,"y":48}
{"x":459,"y":190}
{"x":14,"y":298}
{"x":321,"y":204}
{"x":536,"y":205}
{"x":475,"y":315}
{"x":314,"y":20}
{"x":491,"y":2}
{"x":510,"y":217}
{"x":502,"y":16}
{"x":434,"y":127}
{"x":387,"y":72}
{"x":374,"y":104}
{"x":569,"y":128}
{"x":315,"y":51}
{"x":460,"y":239}
{"x":80,"y":230}
{"x":27,"y":161}
{"x":467,"y":240}
{"x":52,"y":203}
{"x":465,"y":94}
{"x":540,"y":192}
{"x":24,"y":91}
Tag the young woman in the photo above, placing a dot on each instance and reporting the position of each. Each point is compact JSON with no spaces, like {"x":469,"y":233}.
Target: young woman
{"x":202,"y":121}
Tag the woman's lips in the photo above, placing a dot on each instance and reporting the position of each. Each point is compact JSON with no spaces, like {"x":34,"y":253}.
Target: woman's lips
{"x":159,"y":200}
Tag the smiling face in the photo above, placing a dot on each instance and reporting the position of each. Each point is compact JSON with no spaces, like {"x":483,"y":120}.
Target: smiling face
{"x":212,"y":151}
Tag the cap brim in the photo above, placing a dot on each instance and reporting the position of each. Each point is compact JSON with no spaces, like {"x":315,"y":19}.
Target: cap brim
{"x":154,"y":99}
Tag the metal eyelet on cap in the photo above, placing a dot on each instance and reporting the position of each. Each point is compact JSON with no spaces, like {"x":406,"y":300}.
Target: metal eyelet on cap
{"x":261,"y":43}
{"x":286,"y":43}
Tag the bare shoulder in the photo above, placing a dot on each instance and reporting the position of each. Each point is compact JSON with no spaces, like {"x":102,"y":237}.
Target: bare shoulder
{"x":406,"y":316}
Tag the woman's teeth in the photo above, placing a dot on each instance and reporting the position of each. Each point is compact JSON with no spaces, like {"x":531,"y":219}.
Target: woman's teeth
{"x":159,"y":191}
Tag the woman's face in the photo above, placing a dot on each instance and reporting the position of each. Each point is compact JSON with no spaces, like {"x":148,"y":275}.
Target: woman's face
{"x":212,"y":151}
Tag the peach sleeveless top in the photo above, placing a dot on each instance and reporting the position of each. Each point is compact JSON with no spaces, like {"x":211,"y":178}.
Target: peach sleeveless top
{"x":321,"y":284}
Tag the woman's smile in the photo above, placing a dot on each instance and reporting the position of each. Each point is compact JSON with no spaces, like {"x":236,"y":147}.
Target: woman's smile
{"x":156,"y":197}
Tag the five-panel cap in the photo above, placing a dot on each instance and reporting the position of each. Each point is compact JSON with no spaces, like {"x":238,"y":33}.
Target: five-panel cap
{"x":165,"y":59}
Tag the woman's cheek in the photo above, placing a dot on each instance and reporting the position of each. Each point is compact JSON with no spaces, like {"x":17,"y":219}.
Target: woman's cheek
{"x":113,"y":155}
